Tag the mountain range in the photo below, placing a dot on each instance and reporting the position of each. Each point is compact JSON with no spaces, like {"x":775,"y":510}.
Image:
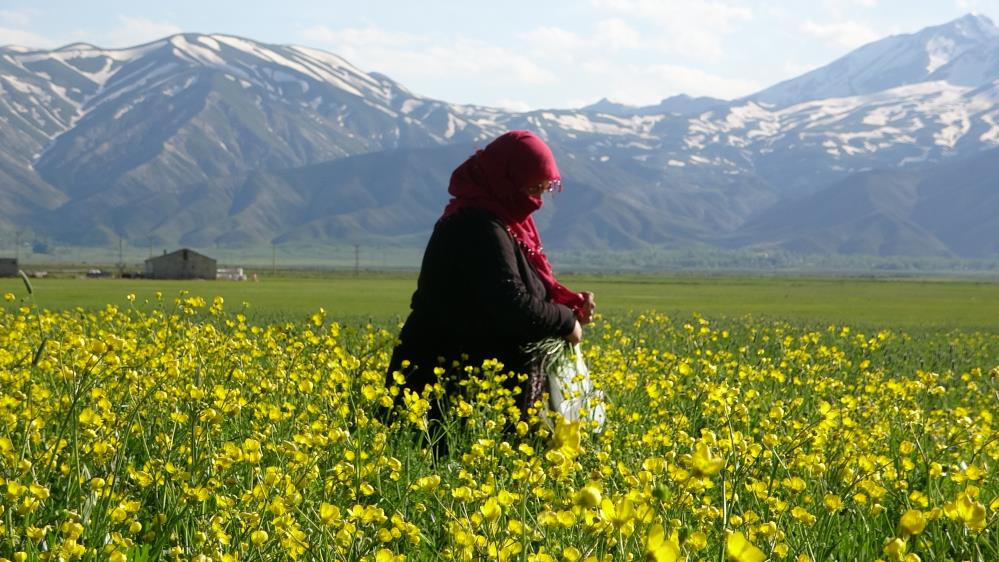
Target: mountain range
{"x":199,"y":140}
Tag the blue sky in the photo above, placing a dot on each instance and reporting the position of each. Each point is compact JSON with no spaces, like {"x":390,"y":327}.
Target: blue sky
{"x":519,"y":54}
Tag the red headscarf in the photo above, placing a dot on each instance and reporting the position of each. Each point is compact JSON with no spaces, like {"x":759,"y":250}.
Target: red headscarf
{"x":494,"y":179}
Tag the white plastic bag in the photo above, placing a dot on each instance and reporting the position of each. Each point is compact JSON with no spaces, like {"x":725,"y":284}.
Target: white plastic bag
{"x":570,"y":391}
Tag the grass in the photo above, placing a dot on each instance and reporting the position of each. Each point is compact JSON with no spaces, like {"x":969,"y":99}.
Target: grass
{"x":901,"y":304}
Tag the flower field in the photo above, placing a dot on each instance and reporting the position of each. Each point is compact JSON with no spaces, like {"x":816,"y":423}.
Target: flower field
{"x":186,"y":432}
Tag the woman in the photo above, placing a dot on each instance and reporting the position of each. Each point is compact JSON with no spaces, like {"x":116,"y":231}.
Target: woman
{"x":485,"y":288}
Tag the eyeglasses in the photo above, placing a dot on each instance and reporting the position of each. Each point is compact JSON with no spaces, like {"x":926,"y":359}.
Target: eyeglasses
{"x":549,"y":186}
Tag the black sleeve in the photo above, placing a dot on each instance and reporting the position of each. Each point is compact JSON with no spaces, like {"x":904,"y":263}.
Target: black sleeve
{"x":491,"y":256}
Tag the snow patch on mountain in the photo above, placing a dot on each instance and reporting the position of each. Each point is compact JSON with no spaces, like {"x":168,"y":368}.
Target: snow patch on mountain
{"x":128,"y":107}
{"x":20,"y":85}
{"x":990,"y":136}
{"x":197,"y":53}
{"x":939,"y":51}
{"x":605,"y":124}
{"x":411,"y":105}
{"x":271,"y":56}
{"x":955,"y":125}
{"x":209,"y":42}
{"x":101,"y":76}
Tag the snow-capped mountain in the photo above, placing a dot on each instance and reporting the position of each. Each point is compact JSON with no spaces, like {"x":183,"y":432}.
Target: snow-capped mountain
{"x":220,"y":139}
{"x":191,"y":107}
{"x":680,"y":104}
{"x":964,"y":52}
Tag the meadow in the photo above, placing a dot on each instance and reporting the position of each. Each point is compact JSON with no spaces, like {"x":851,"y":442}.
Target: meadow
{"x":747,"y":419}
{"x":383,"y":297}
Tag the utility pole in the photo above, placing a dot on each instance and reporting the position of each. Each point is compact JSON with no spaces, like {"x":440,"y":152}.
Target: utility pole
{"x":273,"y":258}
{"x":121,"y":259}
{"x":357,"y":260}
{"x":17,"y":246}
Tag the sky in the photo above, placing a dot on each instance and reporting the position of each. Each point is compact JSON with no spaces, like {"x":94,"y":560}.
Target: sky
{"x":519,"y":54}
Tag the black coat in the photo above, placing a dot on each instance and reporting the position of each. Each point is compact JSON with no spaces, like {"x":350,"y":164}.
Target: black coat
{"x":477,"y":298}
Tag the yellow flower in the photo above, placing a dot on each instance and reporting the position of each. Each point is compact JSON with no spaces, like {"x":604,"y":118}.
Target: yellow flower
{"x":258,"y":537}
{"x":703,"y":463}
{"x":697,"y":540}
{"x":832,"y":502}
{"x":895,"y":548}
{"x":566,"y":519}
{"x":660,"y":549}
{"x":14,"y":489}
{"x":36,"y":533}
{"x":426,"y":483}
{"x":386,"y":555}
{"x":802,"y":514}
{"x":491,"y":510}
{"x":973,"y":473}
{"x":739,"y":549}
{"x":567,"y":438}
{"x":328,"y":513}
{"x":619,"y":514}
{"x":912,"y":522}
{"x":966,"y":509}
{"x":589,"y":496}
{"x":40,"y":492}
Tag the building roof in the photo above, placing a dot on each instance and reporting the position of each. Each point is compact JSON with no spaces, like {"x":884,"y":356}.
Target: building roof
{"x":183,"y":253}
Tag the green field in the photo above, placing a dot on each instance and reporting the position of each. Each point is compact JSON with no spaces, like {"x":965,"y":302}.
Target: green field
{"x":385,"y":297}
{"x":149,"y":435}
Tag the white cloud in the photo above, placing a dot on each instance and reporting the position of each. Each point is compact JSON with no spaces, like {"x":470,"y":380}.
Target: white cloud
{"x":983,"y":7}
{"x":848,"y":4}
{"x":132,"y":31}
{"x":411,"y":59}
{"x":15,"y":17}
{"x":648,"y":84}
{"x":519,"y":106}
{"x":673,"y":14}
{"x":841,"y":34}
{"x":24,"y":38}
{"x":548,"y":65}
{"x":357,"y":37}
{"x":555,"y":43}
{"x":615,"y":34}
{"x":13,"y":24}
{"x":841,"y":9}
{"x":694,"y":28}
{"x":475,"y":58}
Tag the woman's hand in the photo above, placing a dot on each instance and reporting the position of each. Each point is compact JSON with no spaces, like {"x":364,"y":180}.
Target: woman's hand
{"x":585,"y":314}
{"x":576,"y":335}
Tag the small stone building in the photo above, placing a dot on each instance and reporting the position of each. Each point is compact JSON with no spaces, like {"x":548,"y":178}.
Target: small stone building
{"x":8,"y":267}
{"x":182,"y":264}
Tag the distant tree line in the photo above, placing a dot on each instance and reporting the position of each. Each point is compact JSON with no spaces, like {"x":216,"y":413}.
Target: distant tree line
{"x":712,"y":259}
